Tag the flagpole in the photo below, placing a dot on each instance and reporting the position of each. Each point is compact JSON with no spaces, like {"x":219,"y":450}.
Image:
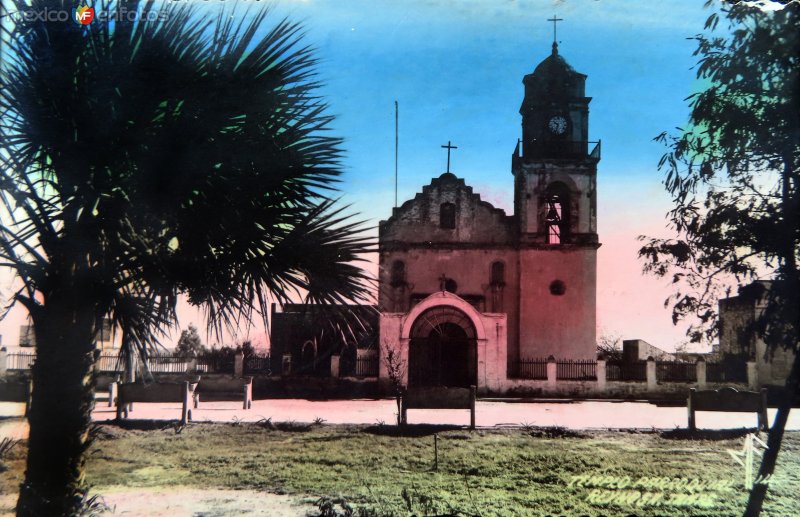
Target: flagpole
{"x":396,"y":116}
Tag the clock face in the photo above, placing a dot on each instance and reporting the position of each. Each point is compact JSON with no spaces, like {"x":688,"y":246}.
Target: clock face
{"x":557,"y":125}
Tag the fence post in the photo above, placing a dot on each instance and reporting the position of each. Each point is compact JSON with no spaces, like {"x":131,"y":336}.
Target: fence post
{"x":551,"y":372}
{"x":3,"y":359}
{"x":752,"y":375}
{"x":701,"y":372}
{"x":601,"y":374}
{"x":238,"y":365}
{"x":192,"y":366}
{"x":651,"y":374}
{"x":335,"y":366}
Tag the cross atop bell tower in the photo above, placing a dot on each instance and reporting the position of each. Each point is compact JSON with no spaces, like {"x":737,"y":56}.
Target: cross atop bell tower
{"x":555,"y":20}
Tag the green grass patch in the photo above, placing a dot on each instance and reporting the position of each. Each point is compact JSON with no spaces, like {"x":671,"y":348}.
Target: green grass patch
{"x":527,"y":471}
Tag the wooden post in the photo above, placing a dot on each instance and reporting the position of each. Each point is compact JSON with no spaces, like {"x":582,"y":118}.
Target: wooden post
{"x":248,"y":393}
{"x":112,"y":391}
{"x":186,"y":414}
{"x":121,"y":406}
{"x":690,"y":409}
{"x":3,"y":360}
{"x":403,"y":410}
{"x":435,"y":452}
{"x":763,"y":418}
{"x":473,"y":391}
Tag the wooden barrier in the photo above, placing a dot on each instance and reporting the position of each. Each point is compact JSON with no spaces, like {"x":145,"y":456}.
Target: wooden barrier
{"x":183,"y":392}
{"x":438,"y":397}
{"x":728,"y":400}
{"x":225,"y":389}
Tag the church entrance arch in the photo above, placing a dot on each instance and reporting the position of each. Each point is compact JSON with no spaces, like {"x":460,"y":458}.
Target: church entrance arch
{"x":442,"y":349}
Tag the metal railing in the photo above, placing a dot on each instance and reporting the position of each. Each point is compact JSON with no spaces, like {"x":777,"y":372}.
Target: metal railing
{"x":110,"y":363}
{"x":576,"y":370}
{"x":726,"y":372}
{"x":530,"y":368}
{"x":619,"y":370}
{"x":367,"y":366}
{"x":258,"y":363}
{"x":20,"y":360}
{"x":674,"y":371}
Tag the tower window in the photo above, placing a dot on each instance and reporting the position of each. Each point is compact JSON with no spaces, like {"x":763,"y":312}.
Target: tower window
{"x":447,"y":216}
{"x":554,"y":219}
{"x":556,"y":215}
{"x":398,"y":276}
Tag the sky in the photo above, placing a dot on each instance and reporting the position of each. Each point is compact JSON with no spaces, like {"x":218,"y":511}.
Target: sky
{"x":455,"y":68}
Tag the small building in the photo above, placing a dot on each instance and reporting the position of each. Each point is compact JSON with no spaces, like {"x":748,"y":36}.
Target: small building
{"x":303,"y":337}
{"x":640,"y":350}
{"x":109,"y":338}
{"x":739,"y":336}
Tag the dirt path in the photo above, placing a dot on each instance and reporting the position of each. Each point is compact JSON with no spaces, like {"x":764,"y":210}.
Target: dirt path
{"x":191,"y":502}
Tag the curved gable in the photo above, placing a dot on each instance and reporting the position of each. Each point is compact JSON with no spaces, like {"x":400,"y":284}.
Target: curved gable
{"x":447,"y":211}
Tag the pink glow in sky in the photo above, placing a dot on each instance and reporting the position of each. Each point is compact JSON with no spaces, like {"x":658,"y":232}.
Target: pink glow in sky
{"x":455,"y":68}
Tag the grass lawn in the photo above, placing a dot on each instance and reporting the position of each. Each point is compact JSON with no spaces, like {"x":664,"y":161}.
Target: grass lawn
{"x":503,"y":472}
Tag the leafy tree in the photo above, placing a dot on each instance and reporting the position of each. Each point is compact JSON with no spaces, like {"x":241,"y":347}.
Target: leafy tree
{"x":609,"y":345}
{"x":733,"y":176}
{"x":189,"y":343}
{"x":145,"y":160}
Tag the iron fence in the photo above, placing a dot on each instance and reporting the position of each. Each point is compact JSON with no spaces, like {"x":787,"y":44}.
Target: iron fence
{"x":530,"y":368}
{"x":110,"y":363}
{"x":575,"y":370}
{"x":20,"y":361}
{"x":674,"y":371}
{"x":618,"y":370}
{"x":726,"y":371}
{"x":257,"y":363}
{"x":367,"y":366}
{"x":167,"y":363}
{"x":216,"y":363}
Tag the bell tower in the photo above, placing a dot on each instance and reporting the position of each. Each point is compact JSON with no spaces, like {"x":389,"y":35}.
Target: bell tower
{"x":555,"y":203}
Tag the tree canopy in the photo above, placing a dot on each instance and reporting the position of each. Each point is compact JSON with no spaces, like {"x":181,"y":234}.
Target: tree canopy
{"x":734,"y":177}
{"x":189,"y":342}
{"x":733,"y":171}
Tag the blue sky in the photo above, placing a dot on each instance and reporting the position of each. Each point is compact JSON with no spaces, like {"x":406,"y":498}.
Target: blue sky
{"x":455,"y":67}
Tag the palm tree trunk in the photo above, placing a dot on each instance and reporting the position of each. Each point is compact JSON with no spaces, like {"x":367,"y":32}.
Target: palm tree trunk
{"x":61,"y":406}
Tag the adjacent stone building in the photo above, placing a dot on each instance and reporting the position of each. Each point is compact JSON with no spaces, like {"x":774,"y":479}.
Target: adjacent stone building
{"x":468,"y":290}
{"x":740,"y":340}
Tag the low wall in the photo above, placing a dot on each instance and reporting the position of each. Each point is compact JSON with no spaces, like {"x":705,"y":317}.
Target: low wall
{"x":673,"y":391}
{"x":282,"y":387}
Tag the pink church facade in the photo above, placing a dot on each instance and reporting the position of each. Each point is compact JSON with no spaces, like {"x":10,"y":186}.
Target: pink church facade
{"x":466,"y":290}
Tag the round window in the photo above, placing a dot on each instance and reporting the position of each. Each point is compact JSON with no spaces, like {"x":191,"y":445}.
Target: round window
{"x":558,"y":288}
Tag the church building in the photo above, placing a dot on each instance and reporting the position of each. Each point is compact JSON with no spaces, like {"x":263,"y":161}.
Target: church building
{"x":466,"y":290}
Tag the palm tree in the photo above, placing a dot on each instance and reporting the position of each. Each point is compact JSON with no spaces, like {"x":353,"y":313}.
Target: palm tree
{"x":144,"y":160}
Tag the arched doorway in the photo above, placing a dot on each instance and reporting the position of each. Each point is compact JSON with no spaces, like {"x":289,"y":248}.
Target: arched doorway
{"x":442,"y":350}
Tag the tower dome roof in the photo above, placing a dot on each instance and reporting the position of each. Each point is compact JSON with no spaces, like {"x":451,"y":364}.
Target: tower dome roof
{"x":553,"y":66}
